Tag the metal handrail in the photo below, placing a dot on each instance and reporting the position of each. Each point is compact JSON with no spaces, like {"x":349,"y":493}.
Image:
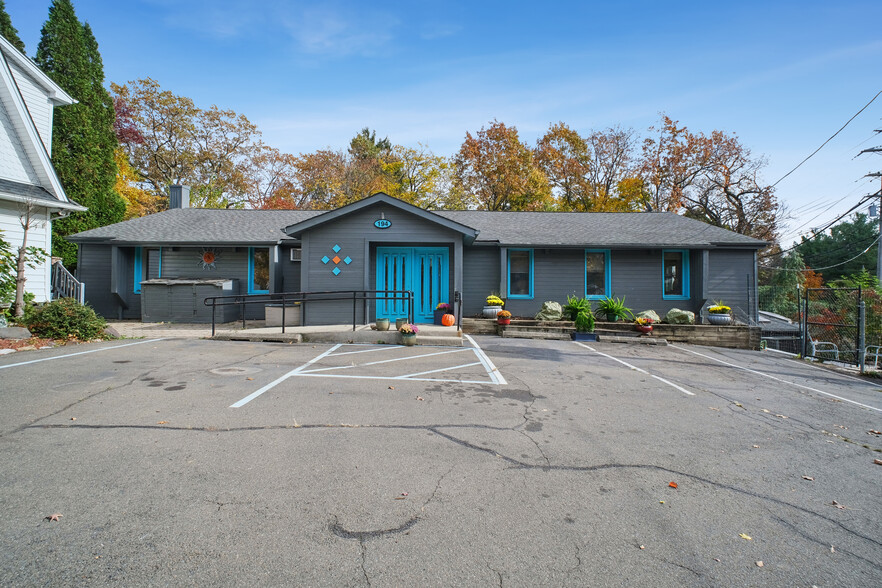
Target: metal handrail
{"x":284,"y":298}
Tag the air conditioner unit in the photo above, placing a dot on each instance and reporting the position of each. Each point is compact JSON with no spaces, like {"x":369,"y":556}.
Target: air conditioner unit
{"x":296,"y":255}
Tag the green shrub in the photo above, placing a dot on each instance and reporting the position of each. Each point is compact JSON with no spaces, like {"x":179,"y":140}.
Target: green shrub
{"x":575,"y":306}
{"x":585,"y":322}
{"x":65,"y":319}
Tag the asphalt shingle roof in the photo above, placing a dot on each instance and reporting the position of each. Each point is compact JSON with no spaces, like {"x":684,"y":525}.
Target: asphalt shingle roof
{"x":201,"y":226}
{"x":599,"y":229}
{"x":606,"y":229}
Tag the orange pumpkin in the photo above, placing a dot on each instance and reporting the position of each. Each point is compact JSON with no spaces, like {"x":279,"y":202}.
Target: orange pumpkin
{"x":447,"y":320}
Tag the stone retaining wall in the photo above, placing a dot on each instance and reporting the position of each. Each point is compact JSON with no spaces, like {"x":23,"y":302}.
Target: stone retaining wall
{"x":733,"y":336}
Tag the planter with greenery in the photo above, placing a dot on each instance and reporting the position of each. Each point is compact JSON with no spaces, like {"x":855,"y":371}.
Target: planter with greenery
{"x":503,"y":317}
{"x":643,"y":324}
{"x":382,"y":324}
{"x":65,"y":319}
{"x":584,"y":327}
{"x":439,"y":312}
{"x":574,"y":306}
{"x":613,"y":309}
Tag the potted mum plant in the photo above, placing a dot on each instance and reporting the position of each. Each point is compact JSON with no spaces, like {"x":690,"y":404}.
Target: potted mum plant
{"x":439,"y":312}
{"x":643,"y":324}
{"x":408,"y":334}
{"x":584,"y":327}
{"x":719,"y":314}
{"x":503,"y":317}
{"x":493,"y":305}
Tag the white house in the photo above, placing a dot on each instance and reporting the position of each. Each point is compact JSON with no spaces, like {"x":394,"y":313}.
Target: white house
{"x":27,"y":178}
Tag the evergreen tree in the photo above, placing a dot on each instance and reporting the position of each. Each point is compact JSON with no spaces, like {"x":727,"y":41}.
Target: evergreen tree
{"x":83,"y":140}
{"x":9,"y":31}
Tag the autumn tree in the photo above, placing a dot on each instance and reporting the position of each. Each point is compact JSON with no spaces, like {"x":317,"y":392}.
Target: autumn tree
{"x":83,"y":140}
{"x":211,"y":150}
{"x":840,"y":252}
{"x":562,"y":155}
{"x":497,"y":171}
{"x":9,"y":31}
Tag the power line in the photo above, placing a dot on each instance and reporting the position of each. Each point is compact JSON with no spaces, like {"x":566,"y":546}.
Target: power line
{"x":784,"y":269}
{"x":830,"y":139}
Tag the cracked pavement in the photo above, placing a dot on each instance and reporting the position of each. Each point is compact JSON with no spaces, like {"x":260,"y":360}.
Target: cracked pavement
{"x":560,"y":477}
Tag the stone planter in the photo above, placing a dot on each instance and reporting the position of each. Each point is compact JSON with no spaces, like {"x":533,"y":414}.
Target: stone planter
{"x":645,"y":329}
{"x":719,"y":319}
{"x":584,"y":336}
{"x":408,"y":339}
{"x":490,"y":311}
{"x":399,"y":322}
{"x":382,"y":324}
{"x":503,"y":321}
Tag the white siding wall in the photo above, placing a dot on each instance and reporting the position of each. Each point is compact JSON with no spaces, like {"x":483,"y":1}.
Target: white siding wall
{"x":37,"y":102}
{"x":39,"y":235}
{"x":14,"y":162}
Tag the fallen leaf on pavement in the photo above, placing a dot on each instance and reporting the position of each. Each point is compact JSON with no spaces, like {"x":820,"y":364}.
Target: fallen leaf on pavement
{"x":249,"y":378}
{"x":642,"y":547}
{"x":874,"y":432}
{"x":419,"y":397}
{"x":780,"y":416}
{"x":764,"y":410}
{"x":162,"y":423}
{"x":877,"y":461}
{"x":73,"y":418}
{"x":714,"y":408}
{"x":756,"y":446}
{"x":739,"y":405}
{"x":54,"y":517}
{"x":743,"y":536}
{"x":809,"y":478}
{"x":716,"y":559}
{"x":391,"y":387}
{"x":832,"y":550}
{"x":673,"y":484}
{"x":759,"y":564}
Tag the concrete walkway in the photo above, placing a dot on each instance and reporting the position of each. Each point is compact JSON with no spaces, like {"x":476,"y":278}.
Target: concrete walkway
{"x":255,"y":331}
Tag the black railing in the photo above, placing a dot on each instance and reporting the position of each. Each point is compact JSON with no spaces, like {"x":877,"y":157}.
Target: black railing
{"x":286,"y":298}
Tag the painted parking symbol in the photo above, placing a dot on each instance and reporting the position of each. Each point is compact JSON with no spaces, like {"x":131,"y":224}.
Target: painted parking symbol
{"x":462,"y":365}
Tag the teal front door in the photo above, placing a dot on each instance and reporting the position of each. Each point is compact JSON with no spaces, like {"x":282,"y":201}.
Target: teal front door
{"x":424,"y":270}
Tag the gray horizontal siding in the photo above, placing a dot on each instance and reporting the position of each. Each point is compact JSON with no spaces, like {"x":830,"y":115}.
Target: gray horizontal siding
{"x":731,"y":280}
{"x":93,"y":269}
{"x":480,"y":276}
{"x":289,"y":271}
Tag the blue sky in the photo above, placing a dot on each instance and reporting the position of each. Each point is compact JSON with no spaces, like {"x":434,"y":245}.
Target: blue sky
{"x":783,"y":76}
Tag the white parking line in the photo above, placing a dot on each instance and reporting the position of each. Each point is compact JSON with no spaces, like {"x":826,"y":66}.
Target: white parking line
{"x":343,"y":367}
{"x":3,"y":367}
{"x":488,"y":365}
{"x":456,"y":367}
{"x":734,"y":365}
{"x":278,"y":381}
{"x":634,"y":367}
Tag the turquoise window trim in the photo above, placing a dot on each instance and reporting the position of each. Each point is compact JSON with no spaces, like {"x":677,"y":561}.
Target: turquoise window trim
{"x":607,"y":273}
{"x":685,"y":257}
{"x":139,"y":270}
{"x":251,"y":289}
{"x":508,"y":284}
{"x":160,"y":264}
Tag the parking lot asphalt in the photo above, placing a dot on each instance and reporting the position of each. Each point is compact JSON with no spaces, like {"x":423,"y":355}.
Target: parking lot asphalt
{"x":520,"y":463}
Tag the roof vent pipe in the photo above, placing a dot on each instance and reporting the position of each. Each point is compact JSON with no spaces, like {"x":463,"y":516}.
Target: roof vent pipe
{"x":178,"y":196}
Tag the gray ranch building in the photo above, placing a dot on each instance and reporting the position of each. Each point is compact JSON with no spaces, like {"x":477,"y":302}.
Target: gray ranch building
{"x":162,"y":266}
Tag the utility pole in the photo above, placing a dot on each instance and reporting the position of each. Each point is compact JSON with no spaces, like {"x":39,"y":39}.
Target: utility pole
{"x":877,"y":175}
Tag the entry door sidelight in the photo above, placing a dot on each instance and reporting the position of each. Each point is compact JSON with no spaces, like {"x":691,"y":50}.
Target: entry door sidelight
{"x":432,"y":271}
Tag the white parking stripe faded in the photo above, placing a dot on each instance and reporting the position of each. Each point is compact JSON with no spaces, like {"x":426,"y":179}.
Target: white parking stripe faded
{"x":634,"y":367}
{"x":771,"y":377}
{"x":494,"y":373}
{"x":3,"y":367}
{"x":343,"y":367}
{"x":278,"y":381}
{"x":445,"y":369}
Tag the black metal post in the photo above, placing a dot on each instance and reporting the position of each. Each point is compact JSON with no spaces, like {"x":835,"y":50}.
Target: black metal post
{"x":283,"y":312}
{"x":243,"y":313}
{"x":353,"y":309}
{"x":213,"y":308}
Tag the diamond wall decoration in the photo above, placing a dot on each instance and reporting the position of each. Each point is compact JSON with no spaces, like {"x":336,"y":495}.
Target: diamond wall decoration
{"x":325,"y":259}
{"x":336,"y":271}
{"x":336,"y":248}
{"x":348,"y":260}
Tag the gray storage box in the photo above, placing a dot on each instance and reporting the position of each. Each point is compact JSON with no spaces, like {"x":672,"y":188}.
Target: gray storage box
{"x":183,"y":300}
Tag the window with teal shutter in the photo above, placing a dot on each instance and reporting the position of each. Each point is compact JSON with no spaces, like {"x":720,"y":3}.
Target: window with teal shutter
{"x":675,"y":274}
{"x":520,"y":273}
